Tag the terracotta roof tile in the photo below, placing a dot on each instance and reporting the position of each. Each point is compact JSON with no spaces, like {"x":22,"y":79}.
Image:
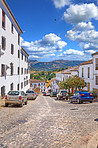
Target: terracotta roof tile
{"x":87,"y":62}
{"x":36,"y":81}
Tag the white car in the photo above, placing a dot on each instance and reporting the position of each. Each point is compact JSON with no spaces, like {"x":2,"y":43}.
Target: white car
{"x":16,"y":97}
{"x":62,"y":95}
{"x":31,"y":95}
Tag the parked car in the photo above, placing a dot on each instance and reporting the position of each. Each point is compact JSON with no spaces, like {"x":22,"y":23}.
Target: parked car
{"x":31,"y":95}
{"x":48,"y":93}
{"x":44,"y":93}
{"x":62,"y":95}
{"x":36,"y":94}
{"x":81,"y":96}
{"x":16,"y":97}
{"x":53,"y":94}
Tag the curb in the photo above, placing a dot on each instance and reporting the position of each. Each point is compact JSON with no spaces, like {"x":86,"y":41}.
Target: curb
{"x":2,"y":102}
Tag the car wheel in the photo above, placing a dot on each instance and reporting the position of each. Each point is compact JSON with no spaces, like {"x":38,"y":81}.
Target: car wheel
{"x":21,"y":105}
{"x":26,"y":103}
{"x":58,"y":97}
{"x":6,"y":104}
{"x":70,"y":101}
{"x":90,"y":101}
{"x":78,"y":101}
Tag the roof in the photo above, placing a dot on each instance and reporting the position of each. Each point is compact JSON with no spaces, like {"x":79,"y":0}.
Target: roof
{"x":36,"y":81}
{"x":75,"y":69}
{"x":24,"y":51}
{"x":11,"y":15}
{"x":68,"y":72}
{"x":53,"y":79}
{"x":95,"y":53}
{"x":87,"y":62}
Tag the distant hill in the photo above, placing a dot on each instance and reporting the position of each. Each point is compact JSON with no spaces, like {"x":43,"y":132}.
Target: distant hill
{"x":56,"y":64}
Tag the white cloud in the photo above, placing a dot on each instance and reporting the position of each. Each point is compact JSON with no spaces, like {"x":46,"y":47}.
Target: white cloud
{"x":89,"y":46}
{"x":76,"y":54}
{"x":84,"y":26}
{"x":47,"y":46}
{"x":90,"y":51}
{"x":61,"y":3}
{"x":73,"y":52}
{"x":81,"y":13}
{"x":90,"y":36}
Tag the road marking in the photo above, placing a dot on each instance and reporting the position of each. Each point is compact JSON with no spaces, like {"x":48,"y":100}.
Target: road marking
{"x":49,"y":108}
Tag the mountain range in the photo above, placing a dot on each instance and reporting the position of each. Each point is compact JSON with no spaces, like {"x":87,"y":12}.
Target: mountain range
{"x":56,"y":64}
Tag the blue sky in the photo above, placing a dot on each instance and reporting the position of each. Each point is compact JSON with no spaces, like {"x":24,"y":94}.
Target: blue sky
{"x":57,"y":29}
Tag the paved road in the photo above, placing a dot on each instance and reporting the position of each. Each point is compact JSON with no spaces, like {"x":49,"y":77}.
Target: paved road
{"x":48,"y":123}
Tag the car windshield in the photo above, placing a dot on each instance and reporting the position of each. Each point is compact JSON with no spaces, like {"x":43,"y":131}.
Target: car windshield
{"x":63,"y":91}
{"x":30,"y":92}
{"x":13,"y":93}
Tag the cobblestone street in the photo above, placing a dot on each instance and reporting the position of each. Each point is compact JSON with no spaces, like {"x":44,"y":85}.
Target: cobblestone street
{"x":48,"y":123}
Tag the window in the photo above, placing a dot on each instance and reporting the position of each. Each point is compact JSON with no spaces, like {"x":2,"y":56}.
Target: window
{"x":18,"y":54}
{"x":3,"y":19}
{"x":22,"y":71}
{"x":22,"y":56}
{"x":96,"y":64}
{"x":96,"y":80}
{"x":12,"y":49}
{"x":88,"y":72}
{"x":11,"y":86}
{"x":18,"y":39}
{"x":82,"y":72}
{"x":18,"y":87}
{"x":11,"y":66}
{"x":2,"y":70}
{"x":12,"y":28}
{"x":3,"y":91}
{"x":3,"y":43}
{"x":18,"y":70}
{"x":21,"y":85}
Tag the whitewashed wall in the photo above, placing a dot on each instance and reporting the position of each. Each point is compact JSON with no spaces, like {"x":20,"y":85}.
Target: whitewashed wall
{"x":7,"y":58}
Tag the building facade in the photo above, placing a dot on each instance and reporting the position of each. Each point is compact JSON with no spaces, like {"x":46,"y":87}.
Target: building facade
{"x":38,"y":84}
{"x":14,"y":70}
{"x":89,"y":72}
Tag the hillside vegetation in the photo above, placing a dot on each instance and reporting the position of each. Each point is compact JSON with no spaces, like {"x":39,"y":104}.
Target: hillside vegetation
{"x":57,"y":64}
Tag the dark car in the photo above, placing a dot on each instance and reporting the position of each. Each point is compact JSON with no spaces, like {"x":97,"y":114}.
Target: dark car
{"x":53,"y":94}
{"x":44,"y":93}
{"x":81,"y":96}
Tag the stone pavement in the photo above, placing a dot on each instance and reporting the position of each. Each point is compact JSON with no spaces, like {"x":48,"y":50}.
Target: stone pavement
{"x":93,"y":143}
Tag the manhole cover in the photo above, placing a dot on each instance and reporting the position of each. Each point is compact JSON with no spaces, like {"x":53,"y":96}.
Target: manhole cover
{"x":96,"y":119}
{"x":22,"y":121}
{"x":74,"y":109}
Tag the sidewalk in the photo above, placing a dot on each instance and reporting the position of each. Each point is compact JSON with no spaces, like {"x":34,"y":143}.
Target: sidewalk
{"x":2,"y":102}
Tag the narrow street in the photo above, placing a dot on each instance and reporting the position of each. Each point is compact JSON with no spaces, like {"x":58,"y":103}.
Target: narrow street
{"x":48,"y":123}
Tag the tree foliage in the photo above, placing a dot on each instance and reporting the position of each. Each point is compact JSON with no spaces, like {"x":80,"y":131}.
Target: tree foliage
{"x":73,"y":82}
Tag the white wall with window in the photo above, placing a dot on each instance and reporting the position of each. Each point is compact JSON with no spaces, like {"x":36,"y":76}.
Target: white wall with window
{"x":95,"y":69}
{"x":86,"y":73}
{"x":10,"y":48}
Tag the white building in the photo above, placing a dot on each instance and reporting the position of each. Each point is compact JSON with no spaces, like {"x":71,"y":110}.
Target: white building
{"x":14,"y":73}
{"x":54,"y":85}
{"x":89,"y":72}
{"x":63,"y":75}
{"x":86,"y":73}
{"x":38,"y":84}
